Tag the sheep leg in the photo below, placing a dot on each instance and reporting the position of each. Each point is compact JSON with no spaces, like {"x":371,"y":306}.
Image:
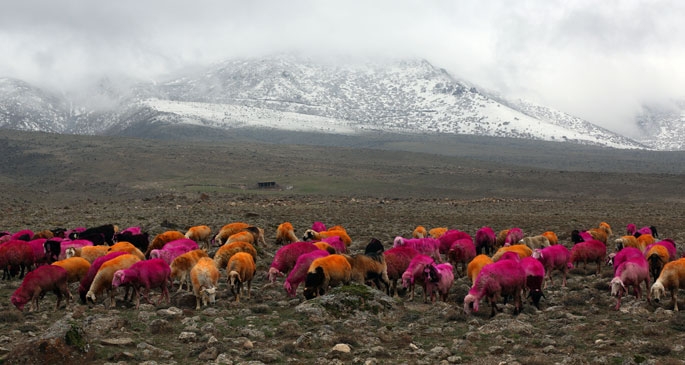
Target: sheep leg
{"x":674,"y":297}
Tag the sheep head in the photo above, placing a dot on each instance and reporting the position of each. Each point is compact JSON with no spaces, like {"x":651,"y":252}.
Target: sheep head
{"x":118,"y":278}
{"x":657,"y":291}
{"x":617,"y":286}
{"x":537,"y":254}
{"x":470,"y":304}
{"x":70,"y":252}
{"x":208,"y":295}
{"x":273,"y":274}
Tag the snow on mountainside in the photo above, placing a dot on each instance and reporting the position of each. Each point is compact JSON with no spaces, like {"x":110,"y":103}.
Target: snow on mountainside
{"x":663,"y":126}
{"x":295,"y":94}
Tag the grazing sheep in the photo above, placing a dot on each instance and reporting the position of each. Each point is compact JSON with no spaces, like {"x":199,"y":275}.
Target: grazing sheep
{"x":38,"y":282}
{"x":631,"y":229}
{"x":631,"y":272}
{"x":606,"y":228}
{"x":476,"y":265}
{"x":324,"y":246}
{"x":88,"y":253}
{"x":16,"y":255}
{"x":333,"y":231}
{"x":224,"y":253}
{"x":414,"y":274}
{"x":438,"y":278}
{"x":318,"y":227}
{"x":628,"y":241}
{"x":397,"y":260}
{"x":419,"y":232}
{"x":555,"y":257}
{"x":148,"y":274}
{"x":227,"y":230}
{"x":534,"y":242}
{"x":141,"y":240}
{"x":462,"y":251}
{"x":100,"y":235}
{"x":499,"y":279}
{"x":104,"y":276}
{"x":622,"y":256}
{"x":669,"y":244}
{"x":241,"y":269}
{"x":337,"y":243}
{"x":672,"y":278}
{"x":657,"y":256}
{"x":501,"y":237}
{"x":200,"y":234}
{"x":173,"y":249}
{"x":299,"y":271}
{"x":38,"y":247}
{"x":23,"y":235}
{"x":552,"y":237}
{"x":589,"y":251}
{"x":521,"y":250}
{"x":46,"y":234}
{"x":285,"y":233}
{"x":76,"y":267}
{"x":285,"y":258}
{"x":651,"y":230}
{"x":92,"y":271}
{"x":645,"y":240}
{"x":485,"y":240}
{"x":370,"y":266}
{"x":535,"y":276}
{"x":182,"y":264}
{"x":250,"y":234}
{"x":426,"y":246}
{"x":513,"y":236}
{"x":447,"y":240}
{"x":598,"y":234}
{"x":161,"y":239}
{"x":127,"y":247}
{"x":205,"y":278}
{"x":325,"y":272}
{"x":437,"y":232}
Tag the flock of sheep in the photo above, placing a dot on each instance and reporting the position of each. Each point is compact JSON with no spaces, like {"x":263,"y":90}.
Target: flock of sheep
{"x":503,"y":265}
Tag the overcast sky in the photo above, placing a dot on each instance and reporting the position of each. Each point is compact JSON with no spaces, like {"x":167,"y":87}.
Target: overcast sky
{"x":600,"y":60}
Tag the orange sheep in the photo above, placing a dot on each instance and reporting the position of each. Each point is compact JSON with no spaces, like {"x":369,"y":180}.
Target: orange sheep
{"x":104,"y":276}
{"x":205,"y":278}
{"x":161,"y":239}
{"x":552,"y":237}
{"x":521,"y":250}
{"x":331,"y":270}
{"x":224,"y":253}
{"x":474,"y":267}
{"x":599,"y":234}
{"x":321,"y":245}
{"x":606,"y":228}
{"x":200,"y":234}
{"x":657,"y":256}
{"x":241,"y":269}
{"x":645,"y":240}
{"x":419,"y":232}
{"x":628,"y":241}
{"x":128,"y":247}
{"x":285,"y":233}
{"x":245,"y":236}
{"x":672,"y":278}
{"x":233,"y":228}
{"x":182,"y":264}
{"x":437,"y":232}
{"x":76,"y":267}
{"x":501,"y":237}
{"x":89,"y":253}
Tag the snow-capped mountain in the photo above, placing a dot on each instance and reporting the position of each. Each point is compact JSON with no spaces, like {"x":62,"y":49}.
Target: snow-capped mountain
{"x":289,"y":93}
{"x":663,"y":126}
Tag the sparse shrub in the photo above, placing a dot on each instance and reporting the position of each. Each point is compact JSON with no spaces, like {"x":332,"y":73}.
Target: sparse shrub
{"x":655,"y":349}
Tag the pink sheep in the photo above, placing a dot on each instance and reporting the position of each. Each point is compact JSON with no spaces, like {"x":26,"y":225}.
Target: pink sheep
{"x":426,"y":246}
{"x":173,"y":249}
{"x":449,"y":237}
{"x":414,"y":274}
{"x":499,"y":279}
{"x":67,"y":243}
{"x":535,"y":275}
{"x":397,"y":260}
{"x":514,"y":236}
{"x":16,"y":256}
{"x":299,"y":272}
{"x":38,"y":247}
{"x":438,"y":278}
{"x":589,"y":251}
{"x":44,"y":279}
{"x":286,"y":257}
{"x":318,"y":226}
{"x":153,"y":273}
{"x":485,"y":240}
{"x":631,"y":272}
{"x":631,"y":229}
{"x":131,"y":230}
{"x":23,"y":235}
{"x":90,"y":275}
{"x":670,"y":245}
{"x":555,"y":257}
{"x":337,"y":243}
{"x":462,"y":251}
{"x":624,"y":255}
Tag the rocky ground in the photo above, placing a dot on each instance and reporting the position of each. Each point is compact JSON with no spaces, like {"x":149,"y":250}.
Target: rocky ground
{"x":49,"y":181}
{"x":355,"y":324}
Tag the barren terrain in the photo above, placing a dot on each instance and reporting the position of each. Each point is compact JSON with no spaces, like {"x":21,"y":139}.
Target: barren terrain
{"x":50,"y":181}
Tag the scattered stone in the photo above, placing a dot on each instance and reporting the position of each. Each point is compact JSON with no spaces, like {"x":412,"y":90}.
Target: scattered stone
{"x":171,"y":312}
{"x":124,"y":341}
{"x":187,"y":336}
{"x":248,"y":345}
{"x":209,"y":354}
